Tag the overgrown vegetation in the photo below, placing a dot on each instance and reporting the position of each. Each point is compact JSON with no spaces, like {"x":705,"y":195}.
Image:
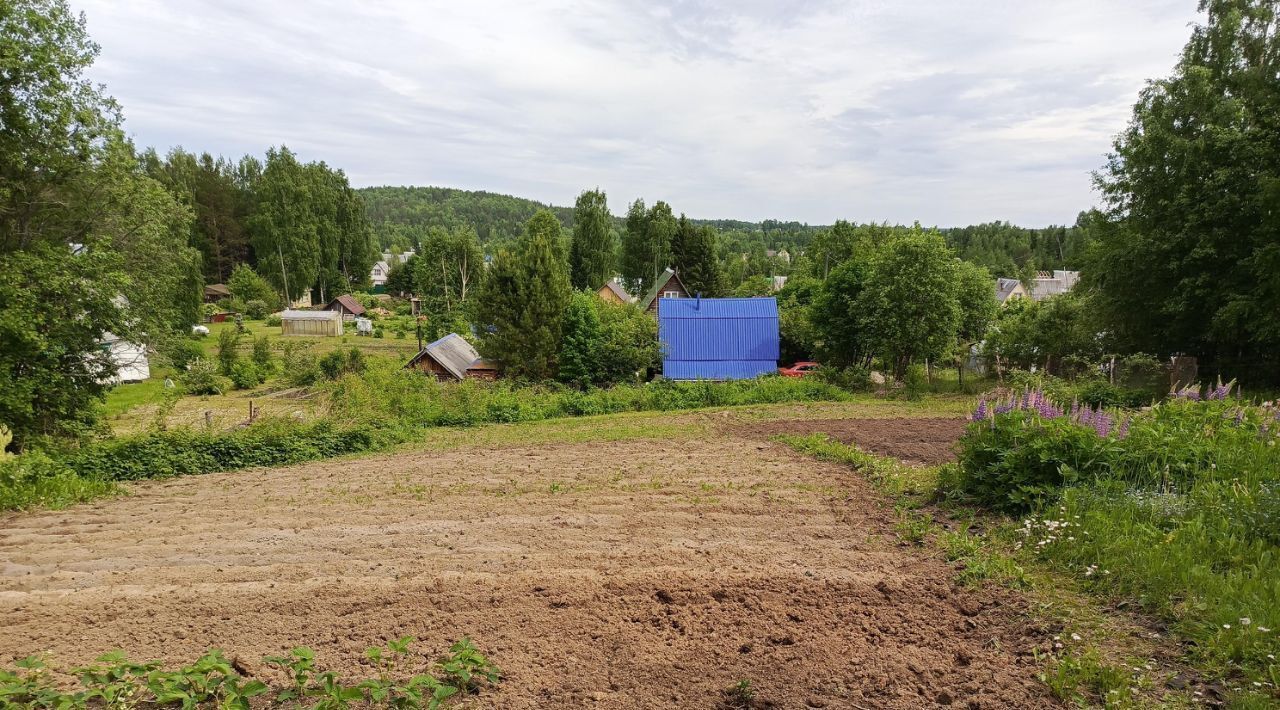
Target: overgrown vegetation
{"x":1176,"y":508}
{"x":403,"y":680}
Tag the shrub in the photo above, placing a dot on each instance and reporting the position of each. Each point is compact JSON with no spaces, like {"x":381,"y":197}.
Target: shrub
{"x":262,"y":356}
{"x":853,"y":378}
{"x":201,"y":378}
{"x":273,"y":320}
{"x":181,"y":352}
{"x":256,"y":309}
{"x":246,"y":375}
{"x":356,"y":363}
{"x":915,"y":381}
{"x":300,"y":366}
{"x":228,"y":355}
{"x":333,"y":364}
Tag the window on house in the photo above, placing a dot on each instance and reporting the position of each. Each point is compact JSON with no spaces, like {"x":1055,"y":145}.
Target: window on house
{"x":671,"y":294}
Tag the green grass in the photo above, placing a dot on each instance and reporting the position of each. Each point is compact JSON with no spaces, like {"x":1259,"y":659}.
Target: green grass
{"x":125,"y":397}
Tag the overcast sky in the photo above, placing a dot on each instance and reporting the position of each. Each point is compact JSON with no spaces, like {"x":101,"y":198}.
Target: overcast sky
{"x":950,"y":112}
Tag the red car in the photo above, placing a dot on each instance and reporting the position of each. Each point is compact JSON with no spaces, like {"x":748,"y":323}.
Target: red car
{"x":804,"y":368}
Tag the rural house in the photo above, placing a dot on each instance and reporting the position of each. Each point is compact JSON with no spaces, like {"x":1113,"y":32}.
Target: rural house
{"x":718,"y":338}
{"x":1053,"y":283}
{"x":216,"y":292}
{"x":1045,"y":285}
{"x":347,"y":305}
{"x":130,"y":359}
{"x":668,"y":285}
{"x":452,"y":358}
{"x":382,"y":269}
{"x":613,"y":292}
{"x":1008,"y":289}
{"x":313,"y":323}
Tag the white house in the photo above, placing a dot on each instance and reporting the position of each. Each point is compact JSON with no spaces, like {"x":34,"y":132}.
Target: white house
{"x":130,"y":360}
{"x":381,"y":270}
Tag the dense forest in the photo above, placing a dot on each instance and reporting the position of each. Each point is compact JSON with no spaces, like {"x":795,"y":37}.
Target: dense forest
{"x":401,"y":217}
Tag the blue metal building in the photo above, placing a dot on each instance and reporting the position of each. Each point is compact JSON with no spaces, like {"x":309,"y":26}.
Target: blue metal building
{"x":718,"y":338}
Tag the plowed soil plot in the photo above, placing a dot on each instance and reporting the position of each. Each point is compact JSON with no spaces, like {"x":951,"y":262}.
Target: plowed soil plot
{"x":926,"y":441}
{"x":619,"y":575}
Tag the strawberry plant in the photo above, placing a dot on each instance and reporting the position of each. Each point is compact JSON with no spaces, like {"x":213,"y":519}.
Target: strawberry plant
{"x":115,"y":680}
{"x":300,"y":663}
{"x":465,"y":666}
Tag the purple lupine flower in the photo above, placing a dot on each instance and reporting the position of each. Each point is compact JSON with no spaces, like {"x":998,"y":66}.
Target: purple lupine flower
{"x":1102,"y":423}
{"x":1239,"y":416}
{"x":980,"y":413}
{"x":1086,"y":415}
{"x":1123,"y":430}
{"x":1026,"y":399}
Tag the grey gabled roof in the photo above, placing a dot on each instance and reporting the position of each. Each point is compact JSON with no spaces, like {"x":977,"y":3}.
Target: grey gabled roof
{"x":452,"y":352}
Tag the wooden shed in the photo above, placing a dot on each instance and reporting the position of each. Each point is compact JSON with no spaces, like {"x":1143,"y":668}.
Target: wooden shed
{"x":452,"y":358}
{"x":311,"y":323}
{"x":348,"y":306}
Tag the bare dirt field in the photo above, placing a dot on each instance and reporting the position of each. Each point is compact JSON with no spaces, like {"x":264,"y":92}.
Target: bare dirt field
{"x":612,"y":574}
{"x":918,"y":440}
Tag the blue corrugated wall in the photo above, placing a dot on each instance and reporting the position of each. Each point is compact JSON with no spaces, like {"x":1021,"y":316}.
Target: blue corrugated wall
{"x":718,"y":338}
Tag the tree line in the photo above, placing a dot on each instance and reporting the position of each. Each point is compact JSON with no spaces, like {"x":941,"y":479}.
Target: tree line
{"x":300,"y":225}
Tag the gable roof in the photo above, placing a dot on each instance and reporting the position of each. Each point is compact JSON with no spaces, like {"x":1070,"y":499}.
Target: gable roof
{"x":348,"y":302}
{"x":660,"y":285}
{"x":452,"y":352}
{"x":1005,"y":288}
{"x":718,"y":338}
{"x":216,"y":290}
{"x":617,"y":290}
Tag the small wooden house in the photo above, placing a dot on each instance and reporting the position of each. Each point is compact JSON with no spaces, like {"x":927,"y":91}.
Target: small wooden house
{"x":311,"y":323}
{"x":216,"y":292}
{"x":668,"y":285}
{"x":348,"y":306}
{"x":613,"y":292}
{"x":452,"y":358}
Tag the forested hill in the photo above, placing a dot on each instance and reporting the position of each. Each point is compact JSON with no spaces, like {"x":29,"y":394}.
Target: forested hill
{"x":401,"y":215}
{"x":495,"y":217}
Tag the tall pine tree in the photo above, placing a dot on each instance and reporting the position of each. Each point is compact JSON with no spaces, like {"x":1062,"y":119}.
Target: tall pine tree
{"x":591,"y":255}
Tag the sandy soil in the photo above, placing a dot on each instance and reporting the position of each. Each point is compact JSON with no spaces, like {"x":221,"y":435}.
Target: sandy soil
{"x":917,"y":441}
{"x":613,"y":575}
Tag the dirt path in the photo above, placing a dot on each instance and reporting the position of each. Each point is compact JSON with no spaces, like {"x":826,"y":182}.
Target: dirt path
{"x":613,"y":575}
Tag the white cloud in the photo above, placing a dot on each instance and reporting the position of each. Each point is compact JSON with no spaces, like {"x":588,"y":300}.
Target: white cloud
{"x":949,"y":112}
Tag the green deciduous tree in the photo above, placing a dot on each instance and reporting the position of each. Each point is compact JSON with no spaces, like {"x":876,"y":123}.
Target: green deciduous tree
{"x":1189,"y":260}
{"x":646,"y":244}
{"x":447,"y":271}
{"x":912,"y":310}
{"x":839,"y":315}
{"x":592,"y":251}
{"x":580,"y":346}
{"x":247,"y":285}
{"x":91,"y":248}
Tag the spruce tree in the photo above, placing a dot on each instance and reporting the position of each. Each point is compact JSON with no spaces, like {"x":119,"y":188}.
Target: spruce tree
{"x":591,"y":255}
{"x":522,"y":305}
{"x":693,"y":254}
